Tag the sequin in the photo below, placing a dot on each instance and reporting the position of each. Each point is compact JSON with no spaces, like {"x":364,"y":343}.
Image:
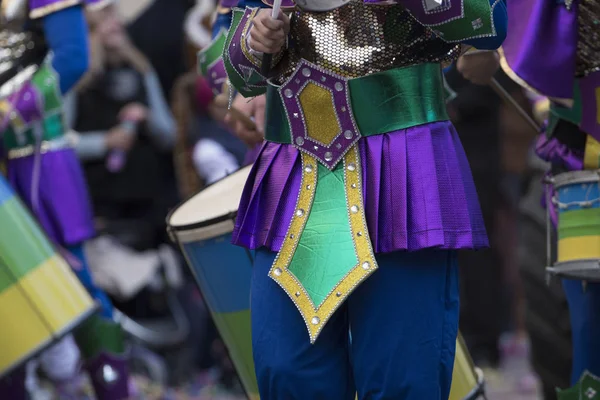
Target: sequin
{"x":358,"y":39}
{"x":588,"y":45}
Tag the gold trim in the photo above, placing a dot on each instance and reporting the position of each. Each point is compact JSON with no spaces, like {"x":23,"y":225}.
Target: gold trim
{"x":244,"y":39}
{"x":61,"y":143}
{"x":520,"y":81}
{"x":315,"y":318}
{"x":52,"y":8}
{"x":223,"y":10}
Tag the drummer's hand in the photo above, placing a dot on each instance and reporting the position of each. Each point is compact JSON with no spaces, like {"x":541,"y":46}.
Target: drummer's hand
{"x":479,"y":67}
{"x":268,"y":35}
{"x":253,"y":108}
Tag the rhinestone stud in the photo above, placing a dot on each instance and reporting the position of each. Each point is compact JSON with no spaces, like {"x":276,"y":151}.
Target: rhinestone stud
{"x":308,"y":169}
{"x":109,"y":374}
{"x":338,"y":86}
{"x":306,"y":72}
{"x":300,"y":213}
{"x":328,"y":156}
{"x":288,"y":93}
{"x":366,"y":265}
{"x":315,"y":321}
{"x":277,"y":272}
{"x":351,"y":167}
{"x":299,"y":141}
{"x":348,"y":134}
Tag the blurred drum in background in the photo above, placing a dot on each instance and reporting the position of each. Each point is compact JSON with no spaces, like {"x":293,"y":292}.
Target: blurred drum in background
{"x":202,"y":227}
{"x":577,"y":201}
{"x":41,"y":299}
{"x":467,"y":381}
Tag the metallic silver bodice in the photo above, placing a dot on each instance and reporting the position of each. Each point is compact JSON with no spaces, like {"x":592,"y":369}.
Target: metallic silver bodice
{"x":358,"y":39}
{"x":588,"y":45}
{"x":20,"y":51}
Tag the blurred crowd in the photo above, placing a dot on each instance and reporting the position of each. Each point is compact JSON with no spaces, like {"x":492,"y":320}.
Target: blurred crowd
{"x":149,"y":136}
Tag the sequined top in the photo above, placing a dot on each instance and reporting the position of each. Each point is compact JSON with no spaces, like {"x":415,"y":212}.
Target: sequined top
{"x":588,"y":45}
{"x":358,"y":39}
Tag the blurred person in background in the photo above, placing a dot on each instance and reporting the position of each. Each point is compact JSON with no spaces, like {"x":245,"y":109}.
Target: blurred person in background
{"x":125,"y":127}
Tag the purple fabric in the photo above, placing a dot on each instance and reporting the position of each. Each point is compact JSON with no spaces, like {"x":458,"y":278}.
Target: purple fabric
{"x":252,"y":154}
{"x":117,"y":390}
{"x":417,"y":187}
{"x":64,"y":210}
{"x":12,"y":386}
{"x":590,"y":120}
{"x":555,"y":152}
{"x":541,"y":45}
{"x":216,"y":76}
{"x":27,"y":103}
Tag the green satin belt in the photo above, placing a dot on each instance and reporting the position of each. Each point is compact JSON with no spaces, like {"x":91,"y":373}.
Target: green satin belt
{"x":382,"y":102}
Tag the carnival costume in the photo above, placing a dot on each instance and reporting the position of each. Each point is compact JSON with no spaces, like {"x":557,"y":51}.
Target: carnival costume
{"x":553,"y":48}
{"x":360,"y":196}
{"x":46,"y":52}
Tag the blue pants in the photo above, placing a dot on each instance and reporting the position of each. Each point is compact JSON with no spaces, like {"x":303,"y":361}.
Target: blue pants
{"x":403,"y":321}
{"x":85,"y":277}
{"x":584,"y":308}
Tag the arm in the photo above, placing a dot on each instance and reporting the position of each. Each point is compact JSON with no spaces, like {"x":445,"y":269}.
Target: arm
{"x":66,"y":34}
{"x":89,"y":145}
{"x":242,"y":62}
{"x":161,"y":125}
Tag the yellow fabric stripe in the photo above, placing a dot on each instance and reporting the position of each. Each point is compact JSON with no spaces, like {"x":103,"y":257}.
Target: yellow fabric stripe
{"x":52,"y":291}
{"x":464,"y":379}
{"x":579,"y":248}
{"x":591,"y":159}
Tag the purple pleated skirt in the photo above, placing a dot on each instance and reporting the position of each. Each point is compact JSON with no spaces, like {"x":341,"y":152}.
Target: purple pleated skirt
{"x":63,"y":208}
{"x":417,"y":187}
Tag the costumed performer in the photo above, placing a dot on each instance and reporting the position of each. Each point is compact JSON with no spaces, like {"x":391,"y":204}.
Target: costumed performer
{"x":47,"y":43}
{"x":553,"y":49}
{"x":361,"y":195}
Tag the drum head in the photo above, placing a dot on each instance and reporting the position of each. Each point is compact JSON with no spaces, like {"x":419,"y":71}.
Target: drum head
{"x":213,"y":204}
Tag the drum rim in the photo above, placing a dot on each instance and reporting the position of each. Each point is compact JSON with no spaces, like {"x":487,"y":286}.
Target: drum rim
{"x":573,"y":177}
{"x":208,"y":222}
{"x":67,"y":329}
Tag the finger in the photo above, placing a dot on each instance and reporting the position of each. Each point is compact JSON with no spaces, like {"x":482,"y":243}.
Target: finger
{"x":273,"y":24}
{"x":269,"y":33}
{"x":258,"y":39}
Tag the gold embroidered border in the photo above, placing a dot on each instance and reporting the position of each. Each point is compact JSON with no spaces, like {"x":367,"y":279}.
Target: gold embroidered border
{"x":51,"y":8}
{"x":316,"y":318}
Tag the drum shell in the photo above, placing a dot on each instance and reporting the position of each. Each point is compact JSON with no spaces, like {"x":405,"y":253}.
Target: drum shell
{"x":40,"y":297}
{"x":578,"y":204}
{"x":467,"y":381}
{"x":223,"y":272}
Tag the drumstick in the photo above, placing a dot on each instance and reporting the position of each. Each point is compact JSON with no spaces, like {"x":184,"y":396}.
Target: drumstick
{"x":265,"y":68}
{"x":508,"y":99}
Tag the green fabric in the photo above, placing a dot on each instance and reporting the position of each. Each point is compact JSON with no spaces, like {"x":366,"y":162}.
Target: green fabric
{"x":326,"y":239}
{"x":234,"y":328}
{"x":462,"y":29}
{"x":588,"y":387}
{"x":245,"y":85}
{"x":46,"y":82}
{"x":212,"y":53}
{"x":383,"y":102}
{"x":100,"y":335}
{"x":576,"y":223}
{"x":22,"y":244}
{"x":53,"y":128}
